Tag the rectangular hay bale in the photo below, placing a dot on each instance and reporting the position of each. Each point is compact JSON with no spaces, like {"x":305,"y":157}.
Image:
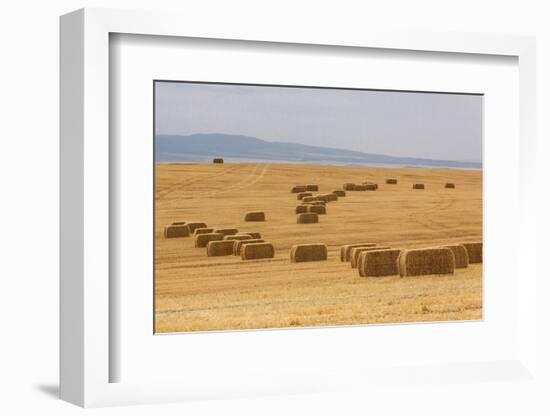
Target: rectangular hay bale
{"x":194,"y":225}
{"x":298,"y":188}
{"x":219,"y":248}
{"x":203,"y":239}
{"x":238,"y":244}
{"x":237,"y":237}
{"x":475,"y":252}
{"x":424,"y":261}
{"x":378,"y":263}
{"x":349,"y":186}
{"x":176,"y":231}
{"x":302,"y":195}
{"x":418,"y":186}
{"x":255,"y":251}
{"x":203,"y":231}
{"x":339,"y":192}
{"x":356,"y":251}
{"x":308,"y":252}
{"x":312,"y":188}
{"x":391,"y":181}
{"x":318,"y":209}
{"x":226,"y":231}
{"x":307,"y":218}
{"x":254,"y":216}
{"x":461,"y":255}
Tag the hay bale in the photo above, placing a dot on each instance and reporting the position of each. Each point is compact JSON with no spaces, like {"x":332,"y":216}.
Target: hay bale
{"x":318,"y":209}
{"x":300,"y":209}
{"x":461,"y":255}
{"x":312,"y":187}
{"x":194,"y":225}
{"x":254,"y":216}
{"x":327,"y":197}
{"x":237,"y":245}
{"x":378,"y":263}
{"x":361,"y":187}
{"x":309,"y":199}
{"x":203,"y":239}
{"x":251,"y":234}
{"x":219,"y":248}
{"x":217,"y":160}
{"x":345,"y":250}
{"x":255,"y":251}
{"x":416,"y":262}
{"x":301,"y":195}
{"x":391,"y":181}
{"x":176,"y":231}
{"x":307,"y":218}
{"x":475,"y":252}
{"x":418,"y":186}
{"x":237,"y":237}
{"x":354,"y":254}
{"x":339,"y":192}
{"x":308,"y":252}
{"x":179,"y":223}
{"x":203,"y":231}
{"x":370,"y":186}
{"x":449,"y":185}
{"x":349,"y":187}
{"x":298,"y":188}
{"x":317,"y":203}
{"x":226,"y":231}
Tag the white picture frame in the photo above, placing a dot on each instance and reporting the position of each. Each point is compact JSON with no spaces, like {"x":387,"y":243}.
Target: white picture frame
{"x":85,"y":211}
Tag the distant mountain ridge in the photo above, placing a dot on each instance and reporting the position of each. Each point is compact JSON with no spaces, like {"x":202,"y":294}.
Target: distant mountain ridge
{"x":201,"y":147}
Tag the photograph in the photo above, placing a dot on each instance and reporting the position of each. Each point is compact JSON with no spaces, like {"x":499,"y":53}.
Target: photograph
{"x":290,"y":206}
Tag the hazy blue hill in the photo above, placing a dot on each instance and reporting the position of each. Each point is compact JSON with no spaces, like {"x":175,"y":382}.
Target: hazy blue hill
{"x":202,"y":147}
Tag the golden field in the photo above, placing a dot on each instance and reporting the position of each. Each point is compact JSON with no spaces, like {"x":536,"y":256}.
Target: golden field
{"x":194,"y":292}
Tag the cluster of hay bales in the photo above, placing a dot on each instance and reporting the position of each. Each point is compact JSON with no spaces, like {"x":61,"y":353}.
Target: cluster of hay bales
{"x":256,"y":251}
{"x":176,"y":231}
{"x":308,"y":252}
{"x":255,"y":216}
{"x":416,"y":262}
{"x":378,"y":262}
{"x":217,"y":160}
{"x":475,"y":252}
{"x":307,"y":218}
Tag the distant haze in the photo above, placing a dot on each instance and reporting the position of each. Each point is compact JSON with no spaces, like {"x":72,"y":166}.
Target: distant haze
{"x":403,"y":124}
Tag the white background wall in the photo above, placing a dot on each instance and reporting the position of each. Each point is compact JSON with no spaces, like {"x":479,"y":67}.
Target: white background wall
{"x":29,"y":203}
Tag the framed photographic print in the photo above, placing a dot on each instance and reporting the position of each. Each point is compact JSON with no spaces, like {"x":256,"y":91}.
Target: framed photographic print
{"x":267,"y":213}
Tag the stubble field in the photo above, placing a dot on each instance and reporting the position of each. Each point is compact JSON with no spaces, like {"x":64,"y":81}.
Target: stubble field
{"x":194,"y":292}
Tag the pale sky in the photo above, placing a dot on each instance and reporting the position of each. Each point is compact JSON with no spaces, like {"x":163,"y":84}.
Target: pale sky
{"x":410,"y":124}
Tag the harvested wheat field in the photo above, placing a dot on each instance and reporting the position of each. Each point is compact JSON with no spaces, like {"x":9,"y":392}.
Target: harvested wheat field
{"x":194,"y":292}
